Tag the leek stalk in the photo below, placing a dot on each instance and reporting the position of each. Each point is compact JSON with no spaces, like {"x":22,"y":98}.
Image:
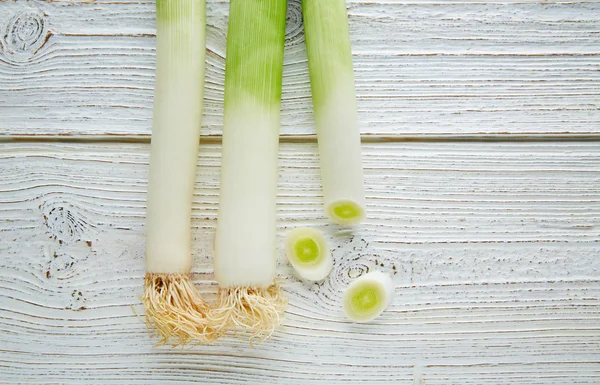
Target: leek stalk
{"x":334,"y":102}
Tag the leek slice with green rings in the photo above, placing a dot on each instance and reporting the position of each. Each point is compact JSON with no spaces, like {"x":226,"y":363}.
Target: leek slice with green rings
{"x":368,"y":296}
{"x":308,"y":253}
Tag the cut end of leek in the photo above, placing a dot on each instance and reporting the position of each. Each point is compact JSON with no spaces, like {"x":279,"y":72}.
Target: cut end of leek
{"x":368,"y":296}
{"x":175,"y":310}
{"x":254,"y":310}
{"x":345,"y":212}
{"x":308,"y":253}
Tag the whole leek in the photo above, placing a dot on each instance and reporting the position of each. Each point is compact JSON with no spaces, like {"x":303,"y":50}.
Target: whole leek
{"x":173,"y":306}
{"x":245,"y":242}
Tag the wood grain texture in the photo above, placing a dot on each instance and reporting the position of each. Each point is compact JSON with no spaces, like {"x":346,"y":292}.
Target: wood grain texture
{"x":494,"y":247}
{"x":422,"y":68}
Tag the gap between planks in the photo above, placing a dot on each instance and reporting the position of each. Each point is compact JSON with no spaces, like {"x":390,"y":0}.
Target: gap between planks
{"x":312,"y":138}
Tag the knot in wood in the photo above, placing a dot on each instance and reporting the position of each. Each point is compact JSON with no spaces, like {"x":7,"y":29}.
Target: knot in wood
{"x":64,"y":221}
{"x":294,"y":31}
{"x":25,"y":34}
{"x":61,"y":267}
{"x":358,"y":256}
{"x":77,"y":301}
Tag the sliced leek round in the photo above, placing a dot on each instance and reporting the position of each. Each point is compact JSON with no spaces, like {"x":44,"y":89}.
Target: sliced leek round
{"x":368,"y":296}
{"x":308,"y":253}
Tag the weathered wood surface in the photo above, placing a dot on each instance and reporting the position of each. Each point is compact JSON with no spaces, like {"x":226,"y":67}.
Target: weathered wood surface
{"x":495,"y":246}
{"x":422,"y":68}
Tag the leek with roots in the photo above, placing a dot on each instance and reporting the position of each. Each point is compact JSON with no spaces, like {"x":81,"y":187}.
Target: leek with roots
{"x":173,"y":306}
{"x":334,"y":101}
{"x":245,"y":242}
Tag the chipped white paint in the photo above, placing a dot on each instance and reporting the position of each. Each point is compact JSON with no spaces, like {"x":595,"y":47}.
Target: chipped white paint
{"x":422,"y":68}
{"x":493,"y":246}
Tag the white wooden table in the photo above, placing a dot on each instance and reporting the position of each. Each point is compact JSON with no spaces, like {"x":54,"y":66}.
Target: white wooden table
{"x":481,"y":132}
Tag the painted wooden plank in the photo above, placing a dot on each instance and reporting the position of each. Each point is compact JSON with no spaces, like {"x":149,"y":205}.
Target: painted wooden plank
{"x":493,"y":247}
{"x":422,"y":68}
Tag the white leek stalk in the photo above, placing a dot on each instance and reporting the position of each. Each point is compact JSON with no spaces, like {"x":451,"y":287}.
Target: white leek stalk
{"x":334,"y":101}
{"x":308,"y":253}
{"x":245,"y":241}
{"x":173,"y":306}
{"x":368,"y":296}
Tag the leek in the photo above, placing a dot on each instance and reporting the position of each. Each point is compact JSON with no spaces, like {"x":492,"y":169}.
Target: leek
{"x":173,"y":306}
{"x":308,"y":253}
{"x":367,"y":296}
{"x":245,"y":240}
{"x":334,"y":101}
